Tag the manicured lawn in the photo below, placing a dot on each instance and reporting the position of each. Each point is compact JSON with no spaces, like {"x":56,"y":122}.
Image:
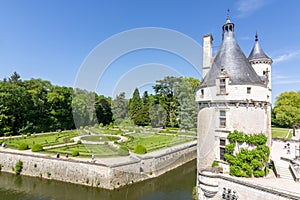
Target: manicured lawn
{"x":44,"y":140}
{"x":96,"y":138}
{"x":280,"y":132}
{"x":105,"y":131}
{"x":153,"y":141}
{"x":87,"y":150}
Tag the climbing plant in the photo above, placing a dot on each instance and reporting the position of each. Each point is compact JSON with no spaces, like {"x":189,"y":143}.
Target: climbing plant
{"x":247,"y":163}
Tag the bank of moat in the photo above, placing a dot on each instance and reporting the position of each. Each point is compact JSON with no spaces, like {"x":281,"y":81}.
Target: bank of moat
{"x":108,"y":173}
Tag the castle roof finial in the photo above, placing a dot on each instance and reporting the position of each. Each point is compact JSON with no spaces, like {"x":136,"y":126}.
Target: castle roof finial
{"x":228,"y":16}
{"x":256,"y":37}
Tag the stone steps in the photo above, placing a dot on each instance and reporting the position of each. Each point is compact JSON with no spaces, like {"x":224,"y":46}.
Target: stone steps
{"x":285,"y":173}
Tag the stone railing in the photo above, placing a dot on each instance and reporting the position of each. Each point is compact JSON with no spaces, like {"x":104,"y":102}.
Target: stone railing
{"x":275,"y":169}
{"x":266,"y":190}
{"x":295,"y":174}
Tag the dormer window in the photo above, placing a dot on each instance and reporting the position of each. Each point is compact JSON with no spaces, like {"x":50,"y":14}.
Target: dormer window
{"x":222,"y":86}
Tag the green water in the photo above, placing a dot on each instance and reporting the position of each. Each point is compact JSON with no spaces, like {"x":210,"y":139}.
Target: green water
{"x":177,"y":184}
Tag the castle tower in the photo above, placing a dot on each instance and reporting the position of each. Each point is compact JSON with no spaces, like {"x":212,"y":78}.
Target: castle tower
{"x":262,"y":65}
{"x":235,"y":94}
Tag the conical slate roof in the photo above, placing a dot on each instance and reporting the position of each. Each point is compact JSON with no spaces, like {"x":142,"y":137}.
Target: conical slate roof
{"x":233,"y":60}
{"x":257,"y":53}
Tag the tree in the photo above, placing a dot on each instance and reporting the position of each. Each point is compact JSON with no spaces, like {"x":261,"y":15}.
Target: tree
{"x":59,"y":101}
{"x":120,"y":108}
{"x":164,"y":90}
{"x":103,"y":110}
{"x":38,"y":114}
{"x":14,"y":104}
{"x":15,"y":78}
{"x":83,"y":107}
{"x":185,"y":93}
{"x":158,"y":116}
{"x":286,"y":111}
{"x":146,"y":108}
{"x":136,"y":109}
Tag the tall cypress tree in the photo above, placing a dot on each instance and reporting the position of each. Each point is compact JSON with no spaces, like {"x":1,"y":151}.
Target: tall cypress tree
{"x":135,"y":108}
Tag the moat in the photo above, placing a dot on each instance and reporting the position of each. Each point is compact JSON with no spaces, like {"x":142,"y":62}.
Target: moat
{"x":176,"y":184}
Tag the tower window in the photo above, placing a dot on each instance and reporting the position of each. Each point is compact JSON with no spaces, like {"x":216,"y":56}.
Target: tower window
{"x":222,"y":142}
{"x":222,"y":153}
{"x":264,"y":73}
{"x":222,"y":86}
{"x":222,"y":118}
{"x":202,"y":92}
{"x":248,"y":90}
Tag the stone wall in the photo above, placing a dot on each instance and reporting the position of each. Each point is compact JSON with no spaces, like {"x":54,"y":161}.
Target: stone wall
{"x":100,"y":175}
{"x":211,"y":186}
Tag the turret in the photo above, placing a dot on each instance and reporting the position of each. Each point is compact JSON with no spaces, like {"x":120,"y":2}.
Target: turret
{"x":261,"y":63}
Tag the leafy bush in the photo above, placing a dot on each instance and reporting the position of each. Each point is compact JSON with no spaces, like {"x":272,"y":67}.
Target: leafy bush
{"x":79,"y":142}
{"x":37,"y":148}
{"x":123,"y":151}
{"x":257,"y":139}
{"x":230,"y":147}
{"x":230,"y":158}
{"x":23,"y":146}
{"x":236,"y":171}
{"x":19,"y":167}
{"x":140,"y":149}
{"x":236,"y":136}
{"x":215,"y":164}
{"x":75,"y":153}
{"x":258,"y":173}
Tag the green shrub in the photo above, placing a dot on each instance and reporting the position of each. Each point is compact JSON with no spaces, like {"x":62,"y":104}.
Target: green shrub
{"x":37,"y":148}
{"x":258,"y":173}
{"x":230,"y":158}
{"x":71,"y":140}
{"x":79,"y":142}
{"x":123,"y":151}
{"x":23,"y":146}
{"x":140,"y":149}
{"x":230,"y":147}
{"x":236,"y":171}
{"x":19,"y":167}
{"x":215,"y":164}
{"x":75,"y":153}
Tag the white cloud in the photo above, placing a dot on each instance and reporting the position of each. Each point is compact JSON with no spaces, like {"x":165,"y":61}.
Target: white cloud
{"x":286,"y":56}
{"x":247,"y":7}
{"x":278,"y":79}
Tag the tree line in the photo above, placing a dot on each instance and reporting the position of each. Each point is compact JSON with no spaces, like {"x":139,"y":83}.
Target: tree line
{"x":34,"y":106}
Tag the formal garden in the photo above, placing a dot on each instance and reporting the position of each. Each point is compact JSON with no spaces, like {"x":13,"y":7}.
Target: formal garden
{"x":100,"y":141}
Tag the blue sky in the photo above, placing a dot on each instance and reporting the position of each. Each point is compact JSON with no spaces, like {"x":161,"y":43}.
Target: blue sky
{"x":50,"y":39}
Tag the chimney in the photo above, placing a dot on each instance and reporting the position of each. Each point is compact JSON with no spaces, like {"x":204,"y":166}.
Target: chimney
{"x":207,"y":53}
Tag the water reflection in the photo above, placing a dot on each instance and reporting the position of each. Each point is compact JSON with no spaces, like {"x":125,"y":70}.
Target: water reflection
{"x":174,"y":185}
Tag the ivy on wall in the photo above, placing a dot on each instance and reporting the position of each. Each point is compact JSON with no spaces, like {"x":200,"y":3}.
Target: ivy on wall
{"x":247,"y":163}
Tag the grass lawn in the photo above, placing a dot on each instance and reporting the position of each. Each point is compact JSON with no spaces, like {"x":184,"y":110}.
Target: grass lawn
{"x":97,"y":138}
{"x":280,"y":132}
{"x":44,"y":140}
{"x":87,"y":150}
{"x":105,"y":131}
{"x":153,"y":142}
